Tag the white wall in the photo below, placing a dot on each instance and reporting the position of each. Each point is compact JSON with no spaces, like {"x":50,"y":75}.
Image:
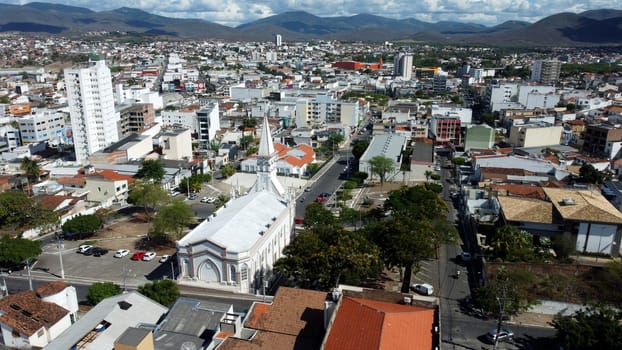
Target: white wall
{"x":601,"y":237}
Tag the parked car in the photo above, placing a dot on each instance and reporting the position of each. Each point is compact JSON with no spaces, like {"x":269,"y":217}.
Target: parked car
{"x":138,"y":255}
{"x":98,"y":251}
{"x":88,"y":251}
{"x":121,"y":253}
{"x":209,"y":200}
{"x":83,"y":248}
{"x":175,"y":193}
{"x":423,"y":288}
{"x":504,"y":334}
{"x":164,"y":258}
{"x":149,"y":256}
{"x":193,"y":197}
{"x":308,"y":189}
{"x":466,"y":256}
{"x":8,"y":268}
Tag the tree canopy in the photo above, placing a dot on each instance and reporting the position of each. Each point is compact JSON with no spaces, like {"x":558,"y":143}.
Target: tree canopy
{"x":17,"y":250}
{"x":511,"y":288}
{"x":148,"y":195}
{"x":381,"y":166}
{"x":194,"y":182}
{"x":228,"y":170}
{"x":83,"y":225}
{"x":589,"y":174}
{"x":101,"y":290}
{"x":174,"y":218}
{"x":31,"y":169}
{"x":359,"y":148}
{"x":508,"y":243}
{"x":151,"y":170}
{"x":595,"y":328}
{"x":18,"y":212}
{"x":164,"y":292}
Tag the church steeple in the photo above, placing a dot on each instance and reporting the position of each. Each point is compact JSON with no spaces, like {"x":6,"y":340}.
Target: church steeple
{"x":266,"y":163}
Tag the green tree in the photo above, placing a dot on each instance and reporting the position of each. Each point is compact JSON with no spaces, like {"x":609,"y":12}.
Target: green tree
{"x":18,"y":212}
{"x":228,"y":170}
{"x":17,"y":250}
{"x":221,"y":200}
{"x":508,"y":243}
{"x":595,"y":328}
{"x":349,"y":216}
{"x":194,"y":182}
{"x":359,"y":148}
{"x":246,"y":141}
{"x":318,"y":217}
{"x":174,"y":218}
{"x":164,"y":292}
{"x":148,"y":195}
{"x":511,"y":288}
{"x":334,"y":141}
{"x":313,"y":168}
{"x":589,"y":174}
{"x":101,"y":290}
{"x":458,"y":161}
{"x":427,"y":175}
{"x":359,"y":177}
{"x":381,"y":166}
{"x":416,"y":201}
{"x":83,"y":225}
{"x":151,"y":170}
{"x":322,"y":260}
{"x":31,"y":169}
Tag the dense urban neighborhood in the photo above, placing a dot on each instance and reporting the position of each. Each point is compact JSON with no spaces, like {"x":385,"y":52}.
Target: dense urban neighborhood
{"x":159,"y":193}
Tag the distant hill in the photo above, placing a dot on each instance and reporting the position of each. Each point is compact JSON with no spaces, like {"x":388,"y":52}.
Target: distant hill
{"x":595,"y":27}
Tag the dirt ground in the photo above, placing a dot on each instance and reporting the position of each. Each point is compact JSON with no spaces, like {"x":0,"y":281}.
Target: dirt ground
{"x":129,"y":232}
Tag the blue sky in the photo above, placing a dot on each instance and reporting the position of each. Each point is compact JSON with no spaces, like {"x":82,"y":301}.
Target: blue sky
{"x":234,"y":12}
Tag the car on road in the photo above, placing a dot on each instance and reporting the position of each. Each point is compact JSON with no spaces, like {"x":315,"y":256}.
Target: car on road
{"x":466,"y":256}
{"x":193,"y":197}
{"x":175,"y":193}
{"x":164,"y":258}
{"x":83,"y":248}
{"x":423,"y":288}
{"x":8,"y":268}
{"x":98,"y":251}
{"x":149,"y":256}
{"x":138,"y":255}
{"x":503,"y":335}
{"x":121,"y":253}
{"x":208,"y":200}
{"x":308,"y":189}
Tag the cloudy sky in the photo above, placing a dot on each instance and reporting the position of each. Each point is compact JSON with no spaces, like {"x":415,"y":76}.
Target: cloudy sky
{"x":235,"y":12}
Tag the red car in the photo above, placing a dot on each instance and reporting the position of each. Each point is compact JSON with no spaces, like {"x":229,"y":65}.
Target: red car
{"x":138,"y":255}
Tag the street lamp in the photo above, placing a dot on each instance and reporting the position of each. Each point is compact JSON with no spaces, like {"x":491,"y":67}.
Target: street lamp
{"x":60,"y":255}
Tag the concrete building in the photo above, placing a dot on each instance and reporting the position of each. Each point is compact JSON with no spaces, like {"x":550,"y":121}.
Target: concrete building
{"x":239,"y":244}
{"x":173,"y":143}
{"x":278,"y":40}
{"x":535,"y":135}
{"x":184,"y":118}
{"x":131,"y":147}
{"x":403,"y":66}
{"x":445,"y":130}
{"x":91,"y":107}
{"x":546,"y":71}
{"x":386,"y":145}
{"x":602,"y":140}
{"x":135,"y":118}
{"x":138,"y":95}
{"x":479,"y":136}
{"x":208,"y":123}
{"x":44,"y":125}
{"x":465,"y":114}
{"x":323,"y":109}
{"x":543,"y":97}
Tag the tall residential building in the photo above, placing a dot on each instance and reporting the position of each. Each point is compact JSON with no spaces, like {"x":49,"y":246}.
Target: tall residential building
{"x":546,"y":71}
{"x":208,"y":123}
{"x":322,"y":110}
{"x":278,"y":40}
{"x":403,"y":66}
{"x":91,"y":107}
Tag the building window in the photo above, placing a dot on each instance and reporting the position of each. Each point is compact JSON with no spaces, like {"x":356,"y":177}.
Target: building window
{"x":244,"y":273}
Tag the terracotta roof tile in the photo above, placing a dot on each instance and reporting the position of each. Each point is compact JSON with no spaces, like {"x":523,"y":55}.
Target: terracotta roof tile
{"x":52,"y":202}
{"x":80,"y":181}
{"x":25,"y":313}
{"x":520,"y":190}
{"x":369,"y":324}
{"x":526,"y":209}
{"x":50,"y":288}
{"x":583,"y":205}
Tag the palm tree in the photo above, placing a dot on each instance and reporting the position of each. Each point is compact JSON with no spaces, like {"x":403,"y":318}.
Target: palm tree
{"x":427,"y":174}
{"x":31,"y":169}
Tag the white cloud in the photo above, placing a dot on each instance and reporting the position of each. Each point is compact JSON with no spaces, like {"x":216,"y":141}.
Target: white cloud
{"x":234,"y":12}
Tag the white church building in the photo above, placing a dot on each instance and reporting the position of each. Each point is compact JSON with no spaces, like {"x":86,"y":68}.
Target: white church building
{"x":238,"y":245}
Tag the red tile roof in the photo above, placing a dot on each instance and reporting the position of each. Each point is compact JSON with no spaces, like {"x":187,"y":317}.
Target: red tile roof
{"x":25,"y":313}
{"x":368,"y":324}
{"x":294,"y":320}
{"x":520,"y":190}
{"x":51,"y":288}
{"x":52,"y":202}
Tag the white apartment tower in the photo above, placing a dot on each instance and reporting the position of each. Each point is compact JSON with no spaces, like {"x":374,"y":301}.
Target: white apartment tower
{"x":403,"y":66}
{"x":546,"y":72}
{"x":91,"y":108}
{"x":278,"y":40}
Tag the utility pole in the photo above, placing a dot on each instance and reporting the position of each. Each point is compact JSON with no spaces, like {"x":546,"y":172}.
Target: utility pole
{"x":501,"y":302}
{"x":29,"y":276}
{"x":60,"y":256}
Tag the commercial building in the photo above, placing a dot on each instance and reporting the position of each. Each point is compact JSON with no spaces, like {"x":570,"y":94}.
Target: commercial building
{"x":479,"y":136}
{"x":535,"y":135}
{"x":403,"y":66}
{"x":42,"y":126}
{"x":91,"y":108}
{"x":208,"y":123}
{"x":323,"y":109}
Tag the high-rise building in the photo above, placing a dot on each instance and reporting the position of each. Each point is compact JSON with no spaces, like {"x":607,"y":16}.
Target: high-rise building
{"x":278,"y":40}
{"x":403,"y":66}
{"x":208,"y":123}
{"x":546,"y":71}
{"x":91,"y":108}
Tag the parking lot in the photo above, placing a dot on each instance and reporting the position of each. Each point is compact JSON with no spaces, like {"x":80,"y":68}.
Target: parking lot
{"x":100,"y":269}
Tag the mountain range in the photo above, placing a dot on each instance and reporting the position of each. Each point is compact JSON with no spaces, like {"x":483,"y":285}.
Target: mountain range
{"x":596,"y":27}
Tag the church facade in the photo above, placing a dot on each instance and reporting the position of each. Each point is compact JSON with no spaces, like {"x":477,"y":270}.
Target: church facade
{"x":238,"y":245}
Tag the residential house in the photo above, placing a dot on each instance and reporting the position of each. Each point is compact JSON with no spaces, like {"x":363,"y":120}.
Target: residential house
{"x":27,"y":320}
{"x":294,"y":320}
{"x":107,"y":321}
{"x":173,"y":143}
{"x":291,"y":161}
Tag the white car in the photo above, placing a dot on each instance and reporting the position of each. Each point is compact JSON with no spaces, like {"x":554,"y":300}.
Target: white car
{"x":423,"y":288}
{"x":209,"y":200}
{"x":164,"y":258}
{"x":121,"y":253}
{"x":149,"y":256}
{"x":83,"y":248}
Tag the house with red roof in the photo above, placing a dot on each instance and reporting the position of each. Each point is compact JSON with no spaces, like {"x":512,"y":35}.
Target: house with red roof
{"x":292,"y":161}
{"x":101,"y":185}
